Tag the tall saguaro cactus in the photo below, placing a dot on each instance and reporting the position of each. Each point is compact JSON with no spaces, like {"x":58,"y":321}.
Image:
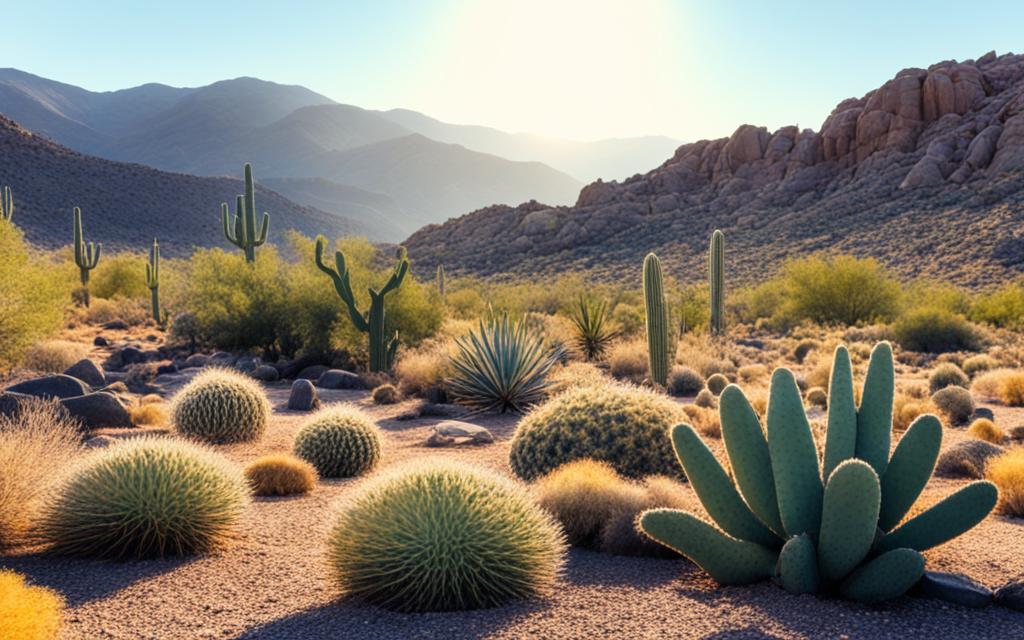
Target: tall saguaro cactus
{"x":716,"y":278}
{"x":7,"y":205}
{"x":441,"y":281}
{"x":153,"y":280}
{"x":382,"y":348}
{"x":242,"y":230}
{"x":86,"y":255}
{"x":657,"y":319}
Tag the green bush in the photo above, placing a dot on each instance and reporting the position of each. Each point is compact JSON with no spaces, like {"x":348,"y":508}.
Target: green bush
{"x":120,"y":275}
{"x":221,"y":406}
{"x":840,"y":290}
{"x":945,"y":375}
{"x":146,"y":497}
{"x":934,"y":331}
{"x":1003,"y":307}
{"x":624,"y":426}
{"x":955,"y":403}
{"x":979,"y":364}
{"x":340,"y":441}
{"x":435,"y":536}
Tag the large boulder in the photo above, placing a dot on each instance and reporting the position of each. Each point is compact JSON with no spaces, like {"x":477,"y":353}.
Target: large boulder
{"x":1011,"y":595}
{"x":265,"y":373}
{"x":196,"y":360}
{"x":88,"y":372}
{"x":953,"y":587}
{"x":13,"y":404}
{"x":450,"y":432}
{"x":55,"y":386}
{"x":97,"y":410}
{"x":339,"y":379}
{"x":312,"y":372}
{"x":303,"y":396}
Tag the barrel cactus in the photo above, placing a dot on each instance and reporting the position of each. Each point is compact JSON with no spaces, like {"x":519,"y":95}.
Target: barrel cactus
{"x":221,"y":406}
{"x":340,"y":441}
{"x":146,"y":497}
{"x":441,"y":536}
{"x":776,"y":516}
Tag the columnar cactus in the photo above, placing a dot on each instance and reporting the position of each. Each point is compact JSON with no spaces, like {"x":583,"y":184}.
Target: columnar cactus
{"x":440,"y":281}
{"x":716,"y":278}
{"x":7,"y":205}
{"x":242,"y":231}
{"x":382,"y":349}
{"x":777,"y":517}
{"x":153,"y":280}
{"x":657,"y":319}
{"x":86,"y":255}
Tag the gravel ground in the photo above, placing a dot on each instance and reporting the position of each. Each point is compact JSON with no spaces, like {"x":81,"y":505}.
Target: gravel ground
{"x":274,"y":584}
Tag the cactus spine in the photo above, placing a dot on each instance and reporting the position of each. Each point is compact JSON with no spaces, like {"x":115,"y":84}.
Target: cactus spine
{"x":657,"y":319}
{"x":716,"y":278}
{"x":242,"y":231}
{"x":382,"y":349}
{"x":441,"y":281}
{"x":153,"y":280}
{"x":7,"y":205}
{"x":86,"y":255}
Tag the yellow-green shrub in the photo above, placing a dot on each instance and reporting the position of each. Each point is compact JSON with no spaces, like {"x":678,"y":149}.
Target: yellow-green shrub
{"x":28,"y":612}
{"x":119,"y":275}
{"x":627,"y":360}
{"x":1007,"y":472}
{"x":1011,"y":389}
{"x":1003,"y":307}
{"x":985,"y":429}
{"x":935,"y":330}
{"x":838,"y":290}
{"x":280,"y":474}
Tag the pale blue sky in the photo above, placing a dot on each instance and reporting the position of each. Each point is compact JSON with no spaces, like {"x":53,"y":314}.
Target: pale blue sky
{"x":572,"y":68}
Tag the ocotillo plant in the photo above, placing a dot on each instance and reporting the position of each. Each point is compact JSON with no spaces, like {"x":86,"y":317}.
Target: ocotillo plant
{"x":7,"y":205}
{"x":153,"y":280}
{"x":86,"y":255}
{"x":382,"y":349}
{"x":440,"y":281}
{"x":242,"y":232}
{"x":657,"y":319}
{"x":716,"y":278}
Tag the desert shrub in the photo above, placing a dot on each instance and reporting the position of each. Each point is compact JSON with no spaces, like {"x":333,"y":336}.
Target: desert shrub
{"x":1003,"y":307}
{"x":33,"y":444}
{"x":945,"y":375}
{"x":146,"y":497}
{"x":717,"y":383}
{"x":424,"y":368}
{"x":955,"y":403}
{"x":385,"y":394}
{"x":28,"y":612}
{"x":128,"y":310}
{"x":624,"y":426}
{"x":819,"y":375}
{"x":752,"y":372}
{"x":907,"y":408}
{"x":967,"y":459}
{"x":706,"y":399}
{"x":221,"y":406}
{"x":627,"y":360}
{"x":433,"y":536}
{"x":717,"y":366}
{"x":340,"y":441}
{"x":817,"y":397}
{"x":32,"y":300}
{"x":593,"y":328}
{"x":149,"y":413}
{"x":980,"y":363}
{"x":840,"y":290}
{"x":704,"y":419}
{"x":119,"y":275}
{"x":577,"y":374}
{"x":1011,"y":389}
{"x":985,"y":429}
{"x":185,"y":329}
{"x":987,"y":384}
{"x":934,"y":331}
{"x":803,"y":348}
{"x":466,"y":303}
{"x":1007,"y":472}
{"x":684,"y":381}
{"x":503,"y":366}
{"x":53,"y":356}
{"x":280,"y":474}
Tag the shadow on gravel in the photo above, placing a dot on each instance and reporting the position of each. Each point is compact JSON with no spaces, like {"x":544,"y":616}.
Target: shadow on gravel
{"x":587,"y":567}
{"x":750,"y":633}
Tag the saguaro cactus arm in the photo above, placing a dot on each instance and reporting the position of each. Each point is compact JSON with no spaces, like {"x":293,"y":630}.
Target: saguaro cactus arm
{"x":7,"y":205}
{"x":242,"y":230}
{"x":342,"y":284}
{"x":86,"y":254}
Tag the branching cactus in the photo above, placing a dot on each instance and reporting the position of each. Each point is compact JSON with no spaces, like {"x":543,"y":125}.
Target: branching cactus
{"x":6,"y":205}
{"x":153,"y":281}
{"x":242,"y":230}
{"x":716,"y":278}
{"x":776,"y":516}
{"x":86,"y":255}
{"x":382,"y":348}
{"x":657,"y":319}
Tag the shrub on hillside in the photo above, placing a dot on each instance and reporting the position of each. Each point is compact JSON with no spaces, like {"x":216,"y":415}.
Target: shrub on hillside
{"x":1003,"y":307}
{"x":53,"y":356}
{"x":935,"y":331}
{"x":705,"y":399}
{"x":840,"y":290}
{"x":434,"y":536}
{"x":280,"y":474}
{"x":945,"y":375}
{"x":28,"y":612}
{"x":955,"y":403}
{"x":132,"y":311}
{"x":907,"y":407}
{"x":340,"y":441}
{"x":817,"y":397}
{"x":385,"y":394}
{"x":221,"y":406}
{"x":1007,"y":472}
{"x":624,"y":426}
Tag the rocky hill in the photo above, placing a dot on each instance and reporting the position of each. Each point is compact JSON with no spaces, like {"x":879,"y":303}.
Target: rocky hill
{"x":126,"y":205}
{"x":926,"y":173}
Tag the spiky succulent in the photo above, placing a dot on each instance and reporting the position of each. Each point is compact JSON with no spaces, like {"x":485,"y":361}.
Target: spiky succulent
{"x":146,"y":497}
{"x":593,"y":335}
{"x":340,"y":441}
{"x":625,"y":426}
{"x":220,"y":406}
{"x":441,"y":536}
{"x":502,"y":365}
{"x":840,"y":529}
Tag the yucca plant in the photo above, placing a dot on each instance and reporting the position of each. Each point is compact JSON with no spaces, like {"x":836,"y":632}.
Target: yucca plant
{"x":503,"y":365}
{"x":592,"y":332}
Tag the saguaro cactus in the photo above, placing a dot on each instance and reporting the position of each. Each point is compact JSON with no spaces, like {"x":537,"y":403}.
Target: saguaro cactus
{"x":716,"y":278}
{"x":6,"y":205}
{"x":657,"y":319}
{"x":382,"y":349}
{"x":86,"y":255}
{"x":440,"y":281}
{"x":242,"y":231}
{"x":153,"y":280}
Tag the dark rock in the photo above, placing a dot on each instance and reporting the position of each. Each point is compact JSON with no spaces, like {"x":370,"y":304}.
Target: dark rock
{"x":152,"y":337}
{"x":222,"y":359}
{"x":88,"y":372}
{"x":115,"y":325}
{"x":100,"y":442}
{"x":96,"y":410}
{"x":1016,"y":433}
{"x":953,"y":587}
{"x":129,"y":355}
{"x":55,"y":386}
{"x":196,"y":360}
{"x":436,"y":395}
{"x":294,"y":368}
{"x":12,"y":404}
{"x":312,"y":372}
{"x":750,"y":342}
{"x":247,"y":364}
{"x":266,"y":373}
{"x":303,"y":396}
{"x":982,"y":412}
{"x":1011,"y":595}
{"x":100,"y":341}
{"x":164,"y":369}
{"x":338,"y":379}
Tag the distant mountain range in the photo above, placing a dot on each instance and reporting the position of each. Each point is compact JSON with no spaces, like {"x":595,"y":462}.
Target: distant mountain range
{"x":393,"y":170}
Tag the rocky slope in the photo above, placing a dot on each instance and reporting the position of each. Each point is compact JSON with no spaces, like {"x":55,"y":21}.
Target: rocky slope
{"x":926,"y":173}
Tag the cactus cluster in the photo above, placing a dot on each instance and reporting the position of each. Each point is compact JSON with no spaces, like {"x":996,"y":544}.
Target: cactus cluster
{"x":838,"y":529}
{"x":153,"y":282}
{"x":440,"y":536}
{"x":382,"y":348}
{"x":221,"y":406}
{"x":7,"y":205}
{"x":87,"y":255}
{"x":241,"y":230}
{"x":625,"y":426}
{"x":716,"y":280}
{"x":146,"y":497}
{"x":657,"y":320}
{"x":340,"y":441}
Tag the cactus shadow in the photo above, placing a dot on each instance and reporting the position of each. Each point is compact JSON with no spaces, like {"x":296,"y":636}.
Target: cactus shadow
{"x":586,"y":567}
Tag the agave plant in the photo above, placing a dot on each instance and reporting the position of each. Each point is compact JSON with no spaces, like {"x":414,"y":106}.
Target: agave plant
{"x":592,"y":333}
{"x":502,"y":365}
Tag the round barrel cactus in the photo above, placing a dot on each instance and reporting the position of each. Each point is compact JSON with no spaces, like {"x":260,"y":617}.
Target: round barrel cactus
{"x":440,"y":536}
{"x":340,"y":441}
{"x":220,"y":406}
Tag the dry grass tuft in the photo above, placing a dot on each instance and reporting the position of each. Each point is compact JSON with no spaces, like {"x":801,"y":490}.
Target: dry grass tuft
{"x":53,"y":356}
{"x":426,"y":368}
{"x":577,"y":374}
{"x":985,"y":429}
{"x":28,"y":612}
{"x":280,"y":474}
{"x":817,"y":397}
{"x":907,"y":406}
{"x":1011,"y":389}
{"x":627,"y":360}
{"x":1007,"y":472}
{"x":150,"y":413}
{"x":987,"y":385}
{"x":704,"y":419}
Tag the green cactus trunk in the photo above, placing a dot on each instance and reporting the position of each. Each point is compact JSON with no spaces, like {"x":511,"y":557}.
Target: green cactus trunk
{"x":7,"y":205}
{"x":441,"y":281}
{"x":242,"y":231}
{"x":87,"y":255}
{"x":657,"y":319}
{"x":153,"y":280}
{"x":716,"y":278}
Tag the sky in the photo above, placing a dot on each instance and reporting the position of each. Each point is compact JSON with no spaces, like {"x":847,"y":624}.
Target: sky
{"x":580,"y":69}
